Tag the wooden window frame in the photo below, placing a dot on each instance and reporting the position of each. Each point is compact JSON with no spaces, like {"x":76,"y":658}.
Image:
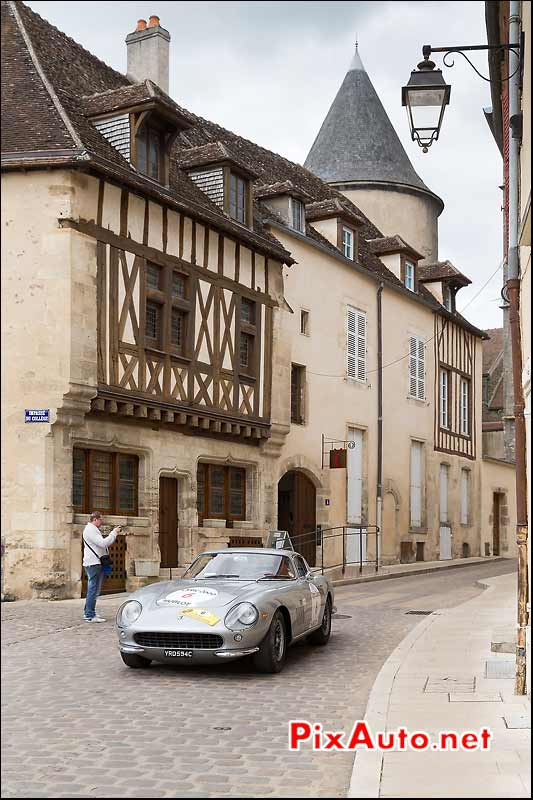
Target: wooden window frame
{"x":299,"y":417}
{"x":403,"y":272}
{"x":229,"y":172}
{"x":168,"y":301}
{"x":341,"y":227}
{"x":305,"y":317}
{"x":448,"y":292}
{"x":155,"y":125}
{"x":114,"y":510}
{"x":444,"y":369}
{"x":248,"y":329}
{"x":415,"y":376}
{"x":297,"y":215}
{"x":464,"y":381}
{"x":205,"y":512}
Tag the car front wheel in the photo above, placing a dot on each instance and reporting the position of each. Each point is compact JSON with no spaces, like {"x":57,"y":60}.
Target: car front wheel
{"x":273,"y":649}
{"x":134,"y":661}
{"x":322,"y":634}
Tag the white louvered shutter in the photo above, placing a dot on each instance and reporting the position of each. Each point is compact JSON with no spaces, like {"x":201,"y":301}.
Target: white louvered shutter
{"x":417,"y":368}
{"x":361,"y":346}
{"x":465,"y":496}
{"x":443,"y":493}
{"x":351,"y":343}
{"x":416,"y":484}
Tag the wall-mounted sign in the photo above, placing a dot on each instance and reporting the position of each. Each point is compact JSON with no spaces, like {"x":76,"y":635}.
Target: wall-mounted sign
{"x":337,"y":459}
{"x":37,"y":415}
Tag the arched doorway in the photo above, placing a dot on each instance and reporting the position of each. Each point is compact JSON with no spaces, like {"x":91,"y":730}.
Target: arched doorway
{"x":297,"y":512}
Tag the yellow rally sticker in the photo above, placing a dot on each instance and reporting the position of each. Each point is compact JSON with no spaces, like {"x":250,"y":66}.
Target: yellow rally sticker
{"x":200,"y":614}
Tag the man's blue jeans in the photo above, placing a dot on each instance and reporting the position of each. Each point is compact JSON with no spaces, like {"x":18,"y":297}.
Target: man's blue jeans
{"x":95,"y":577}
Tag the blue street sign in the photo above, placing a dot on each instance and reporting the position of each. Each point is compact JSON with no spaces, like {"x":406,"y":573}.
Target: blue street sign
{"x":37,"y":415}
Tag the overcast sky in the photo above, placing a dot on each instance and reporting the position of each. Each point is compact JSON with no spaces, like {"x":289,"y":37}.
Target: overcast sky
{"x":270,"y":70}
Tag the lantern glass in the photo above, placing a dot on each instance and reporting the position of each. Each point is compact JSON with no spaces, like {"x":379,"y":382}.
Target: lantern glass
{"x":425,"y":97}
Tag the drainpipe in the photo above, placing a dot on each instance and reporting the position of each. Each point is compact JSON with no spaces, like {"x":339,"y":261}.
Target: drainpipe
{"x":379,"y":482}
{"x":513,"y":294}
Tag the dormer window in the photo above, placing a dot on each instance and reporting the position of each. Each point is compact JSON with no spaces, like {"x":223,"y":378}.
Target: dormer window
{"x":409,"y":275}
{"x":447,"y":297}
{"x":238,"y":191}
{"x":150,"y":152}
{"x":297,"y":215}
{"x":348,"y":243}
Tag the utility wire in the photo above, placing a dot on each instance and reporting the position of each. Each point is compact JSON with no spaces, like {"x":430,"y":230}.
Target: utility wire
{"x":427,"y":341}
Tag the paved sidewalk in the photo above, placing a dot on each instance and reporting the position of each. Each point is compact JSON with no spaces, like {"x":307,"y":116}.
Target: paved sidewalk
{"x":451,"y":650}
{"x":369,"y":574}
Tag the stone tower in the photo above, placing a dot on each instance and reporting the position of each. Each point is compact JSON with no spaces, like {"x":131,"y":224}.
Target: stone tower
{"x":358,"y":151}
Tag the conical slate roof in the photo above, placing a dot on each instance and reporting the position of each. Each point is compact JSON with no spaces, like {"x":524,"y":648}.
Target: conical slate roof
{"x":357,"y":142}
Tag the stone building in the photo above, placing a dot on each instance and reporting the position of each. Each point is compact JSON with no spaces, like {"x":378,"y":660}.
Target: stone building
{"x":194,"y":315}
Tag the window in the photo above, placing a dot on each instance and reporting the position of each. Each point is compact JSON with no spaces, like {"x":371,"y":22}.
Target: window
{"x":153,"y":323}
{"x":348,"y":243}
{"x":301,"y":567}
{"x":297,"y":215}
{"x":237,"y":197}
{"x":149,"y":152}
{"x":221,"y":493}
{"x":409,"y":279}
{"x":177,"y":332}
{"x":464,"y":407}
{"x":297,"y":394}
{"x":465,"y":497}
{"x":153,"y":276}
{"x":246,"y":351}
{"x":356,"y":344}
{"x":417,"y":452}
{"x":447,"y":297}
{"x":179,"y":285}
{"x":443,"y":492}
{"x":444,"y":399}
{"x":247,"y":311}
{"x":486,"y":389}
{"x":417,"y":369}
{"x":304,"y":322}
{"x":105,"y":482}
{"x":248,"y":320}
{"x":167,"y":309}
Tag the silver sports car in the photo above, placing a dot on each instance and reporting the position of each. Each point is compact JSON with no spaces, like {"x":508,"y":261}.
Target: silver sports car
{"x":228,"y":604}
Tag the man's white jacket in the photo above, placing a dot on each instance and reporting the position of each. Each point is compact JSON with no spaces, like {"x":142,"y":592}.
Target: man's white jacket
{"x":99,"y":544}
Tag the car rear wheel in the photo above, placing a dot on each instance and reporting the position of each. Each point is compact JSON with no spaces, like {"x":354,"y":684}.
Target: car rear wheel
{"x":273,"y":649}
{"x":322,"y":634}
{"x":134,"y":661}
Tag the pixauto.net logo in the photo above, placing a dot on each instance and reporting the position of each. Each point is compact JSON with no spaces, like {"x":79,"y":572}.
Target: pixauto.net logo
{"x":302,"y":732}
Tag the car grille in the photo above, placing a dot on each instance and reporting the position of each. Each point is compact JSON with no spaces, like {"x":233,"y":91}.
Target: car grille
{"x":185,"y":641}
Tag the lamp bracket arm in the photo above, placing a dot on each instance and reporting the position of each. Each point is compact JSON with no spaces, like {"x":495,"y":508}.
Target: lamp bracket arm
{"x":448,"y":61}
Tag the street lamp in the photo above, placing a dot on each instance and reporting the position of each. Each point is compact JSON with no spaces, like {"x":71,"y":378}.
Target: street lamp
{"x":425,"y":97}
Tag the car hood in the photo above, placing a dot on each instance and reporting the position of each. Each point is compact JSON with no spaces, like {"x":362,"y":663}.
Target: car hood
{"x":199,"y":594}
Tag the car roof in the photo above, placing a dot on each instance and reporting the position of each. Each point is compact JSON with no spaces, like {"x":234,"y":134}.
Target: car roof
{"x":252,"y":550}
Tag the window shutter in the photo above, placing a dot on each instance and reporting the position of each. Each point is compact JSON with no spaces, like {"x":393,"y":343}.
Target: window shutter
{"x":421,"y":383}
{"x":416,"y":485}
{"x":465,"y":487}
{"x":351,"y":343}
{"x":361,"y":346}
{"x":417,"y":368}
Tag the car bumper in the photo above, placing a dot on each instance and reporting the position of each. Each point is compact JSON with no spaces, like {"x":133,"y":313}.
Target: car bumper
{"x":199,"y":656}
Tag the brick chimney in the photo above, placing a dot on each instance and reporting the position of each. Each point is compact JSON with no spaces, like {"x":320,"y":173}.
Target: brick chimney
{"x":147,"y":49}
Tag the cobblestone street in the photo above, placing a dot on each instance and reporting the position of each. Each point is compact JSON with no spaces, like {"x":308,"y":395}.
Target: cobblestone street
{"x":77,"y":723}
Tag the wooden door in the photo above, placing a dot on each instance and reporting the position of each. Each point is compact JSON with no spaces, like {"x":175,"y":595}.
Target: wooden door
{"x":355,"y":544}
{"x":116,"y":582}
{"x":495,"y":524}
{"x":297,"y":513}
{"x":168,"y":522}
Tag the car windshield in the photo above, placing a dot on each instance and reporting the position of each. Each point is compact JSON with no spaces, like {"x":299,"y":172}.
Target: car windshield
{"x":241,"y":566}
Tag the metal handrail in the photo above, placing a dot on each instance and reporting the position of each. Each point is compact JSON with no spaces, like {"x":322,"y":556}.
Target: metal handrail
{"x":345,"y":531}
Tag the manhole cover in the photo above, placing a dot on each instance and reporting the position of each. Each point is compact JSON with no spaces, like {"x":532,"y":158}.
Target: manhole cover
{"x":341,"y":616}
{"x":420,"y":613}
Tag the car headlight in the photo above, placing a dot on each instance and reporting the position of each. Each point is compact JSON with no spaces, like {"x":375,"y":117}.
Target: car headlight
{"x":128,"y":613}
{"x":243,"y":615}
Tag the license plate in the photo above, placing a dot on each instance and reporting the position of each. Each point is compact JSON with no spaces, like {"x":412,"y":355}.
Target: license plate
{"x":178,"y":653}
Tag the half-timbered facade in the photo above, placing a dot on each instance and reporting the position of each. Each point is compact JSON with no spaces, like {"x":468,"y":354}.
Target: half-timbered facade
{"x":194,"y":313}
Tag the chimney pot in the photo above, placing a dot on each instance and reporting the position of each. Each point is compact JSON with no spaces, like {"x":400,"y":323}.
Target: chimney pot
{"x":141,"y":25}
{"x":153,"y":21}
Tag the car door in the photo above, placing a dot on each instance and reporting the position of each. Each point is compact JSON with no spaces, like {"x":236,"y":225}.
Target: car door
{"x":311,"y":599}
